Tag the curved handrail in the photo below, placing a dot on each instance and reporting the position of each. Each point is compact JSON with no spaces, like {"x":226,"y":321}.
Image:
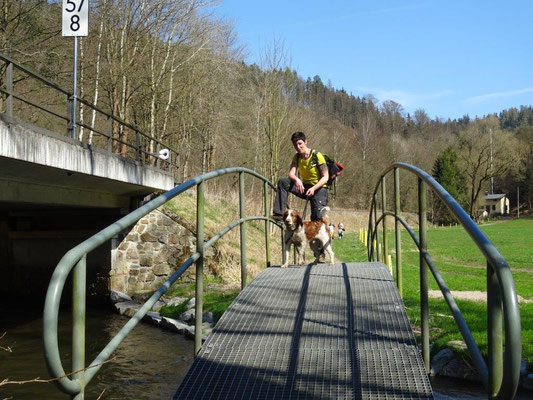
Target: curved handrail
{"x":511,"y":312}
{"x":73,"y":256}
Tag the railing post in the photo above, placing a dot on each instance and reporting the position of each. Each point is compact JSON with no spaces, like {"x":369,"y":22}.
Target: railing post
{"x":283,"y":246}
{"x":383,"y":210}
{"x":424,"y":303}
{"x":9,"y":89}
{"x":398,"y":233}
{"x":70,"y":120}
{"x":267,"y":225}
{"x":137,"y":146}
{"x":157,"y":159}
{"x":242,"y":205}
{"x":494,"y":332}
{"x":200,"y":200}
{"x":78,"y":324}
{"x":109,"y":130}
{"x":376,"y":251}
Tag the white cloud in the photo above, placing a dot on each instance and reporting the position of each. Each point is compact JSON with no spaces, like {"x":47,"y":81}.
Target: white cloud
{"x":498,"y":95}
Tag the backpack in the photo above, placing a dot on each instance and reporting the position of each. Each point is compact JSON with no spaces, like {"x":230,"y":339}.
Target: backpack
{"x":334,"y":168}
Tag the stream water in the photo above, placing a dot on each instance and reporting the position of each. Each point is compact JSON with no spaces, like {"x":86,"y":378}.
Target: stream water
{"x":149,"y":364}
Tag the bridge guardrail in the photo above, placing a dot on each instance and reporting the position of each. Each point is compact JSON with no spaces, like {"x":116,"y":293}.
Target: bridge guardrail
{"x":134,"y":147}
{"x":75,"y":258}
{"x":502,"y":302}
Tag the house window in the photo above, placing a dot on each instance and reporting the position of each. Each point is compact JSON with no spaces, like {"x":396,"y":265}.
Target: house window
{"x":493,"y":207}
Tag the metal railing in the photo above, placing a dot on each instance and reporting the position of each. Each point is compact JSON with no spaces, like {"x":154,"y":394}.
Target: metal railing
{"x":134,"y":147}
{"x":75,"y":259}
{"x":502,"y":303}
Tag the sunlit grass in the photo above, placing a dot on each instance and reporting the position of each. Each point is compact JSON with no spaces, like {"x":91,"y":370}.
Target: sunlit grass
{"x":464,"y":268}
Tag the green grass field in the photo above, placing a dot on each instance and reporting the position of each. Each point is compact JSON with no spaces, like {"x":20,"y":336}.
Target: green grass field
{"x":463,"y":268}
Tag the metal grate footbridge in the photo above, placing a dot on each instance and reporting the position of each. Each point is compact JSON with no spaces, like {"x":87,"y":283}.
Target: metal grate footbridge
{"x":312,"y":332}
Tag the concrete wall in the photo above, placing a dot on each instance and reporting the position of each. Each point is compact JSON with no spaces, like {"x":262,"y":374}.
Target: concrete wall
{"x":21,"y":142}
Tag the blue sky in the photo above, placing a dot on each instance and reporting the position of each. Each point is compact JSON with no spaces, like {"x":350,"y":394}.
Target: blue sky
{"x":450,"y":58}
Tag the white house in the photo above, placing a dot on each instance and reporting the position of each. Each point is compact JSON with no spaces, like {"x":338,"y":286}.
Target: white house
{"x":494,"y":204}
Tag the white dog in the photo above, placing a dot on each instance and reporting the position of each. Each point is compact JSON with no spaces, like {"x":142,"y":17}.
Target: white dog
{"x":299,"y":233}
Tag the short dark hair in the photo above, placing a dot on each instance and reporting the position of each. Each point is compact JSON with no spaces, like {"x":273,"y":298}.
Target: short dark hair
{"x":298,"y":136}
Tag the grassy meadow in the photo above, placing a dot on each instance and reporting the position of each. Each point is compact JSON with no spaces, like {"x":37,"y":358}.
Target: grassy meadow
{"x":464,"y":269}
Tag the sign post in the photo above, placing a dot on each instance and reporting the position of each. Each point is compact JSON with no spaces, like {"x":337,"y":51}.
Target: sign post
{"x":75,"y":23}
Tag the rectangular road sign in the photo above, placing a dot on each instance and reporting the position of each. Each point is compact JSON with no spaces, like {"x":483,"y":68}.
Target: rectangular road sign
{"x":75,"y":18}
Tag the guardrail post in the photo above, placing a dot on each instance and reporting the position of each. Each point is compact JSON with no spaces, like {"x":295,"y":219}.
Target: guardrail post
{"x":383,"y":210}
{"x":283,"y":246}
{"x":9,"y":89}
{"x":109,"y":130}
{"x":200,"y":200}
{"x":70,"y":120}
{"x":267,"y":225}
{"x":242,"y":205}
{"x":375,"y":235}
{"x":494,"y":332}
{"x":424,"y":302}
{"x":157,"y":159}
{"x":137,"y":146}
{"x":78,"y":324}
{"x":398,"y":233}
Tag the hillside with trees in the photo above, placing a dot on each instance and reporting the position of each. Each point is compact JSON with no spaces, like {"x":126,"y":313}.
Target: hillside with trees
{"x":174,"y":70}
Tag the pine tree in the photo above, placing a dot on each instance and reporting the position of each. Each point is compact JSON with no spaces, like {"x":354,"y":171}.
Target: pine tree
{"x":447,"y":173}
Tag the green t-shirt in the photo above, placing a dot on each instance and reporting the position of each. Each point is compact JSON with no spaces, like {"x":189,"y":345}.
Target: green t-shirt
{"x":308,"y":170}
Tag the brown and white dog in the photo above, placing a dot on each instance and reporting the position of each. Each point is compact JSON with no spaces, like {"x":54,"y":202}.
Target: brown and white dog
{"x":299,"y":232}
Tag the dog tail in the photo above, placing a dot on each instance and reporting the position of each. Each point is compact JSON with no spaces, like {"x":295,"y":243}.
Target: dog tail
{"x":325,"y":213}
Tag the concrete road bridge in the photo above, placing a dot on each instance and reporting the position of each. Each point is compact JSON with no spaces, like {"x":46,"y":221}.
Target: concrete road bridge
{"x":59,"y":186}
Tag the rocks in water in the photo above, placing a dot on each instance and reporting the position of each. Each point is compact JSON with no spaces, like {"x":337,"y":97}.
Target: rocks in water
{"x":118,"y":297}
{"x":208,"y":317}
{"x":188,"y":315}
{"x":440,"y":360}
{"x":454,"y":369}
{"x":126,"y":306}
{"x":444,"y":363}
{"x":153,"y":318}
{"x":176,"y":326}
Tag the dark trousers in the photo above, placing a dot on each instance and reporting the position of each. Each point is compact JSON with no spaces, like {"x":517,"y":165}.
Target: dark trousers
{"x":286,"y":186}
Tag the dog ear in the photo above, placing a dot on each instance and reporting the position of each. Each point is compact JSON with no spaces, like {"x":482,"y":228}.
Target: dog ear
{"x":299,"y":220}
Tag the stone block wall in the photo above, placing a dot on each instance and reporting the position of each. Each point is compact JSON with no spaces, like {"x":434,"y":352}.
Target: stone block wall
{"x":154,"y":248}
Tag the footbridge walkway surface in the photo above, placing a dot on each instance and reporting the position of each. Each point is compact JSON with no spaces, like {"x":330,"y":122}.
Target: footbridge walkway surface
{"x":312,"y":332}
